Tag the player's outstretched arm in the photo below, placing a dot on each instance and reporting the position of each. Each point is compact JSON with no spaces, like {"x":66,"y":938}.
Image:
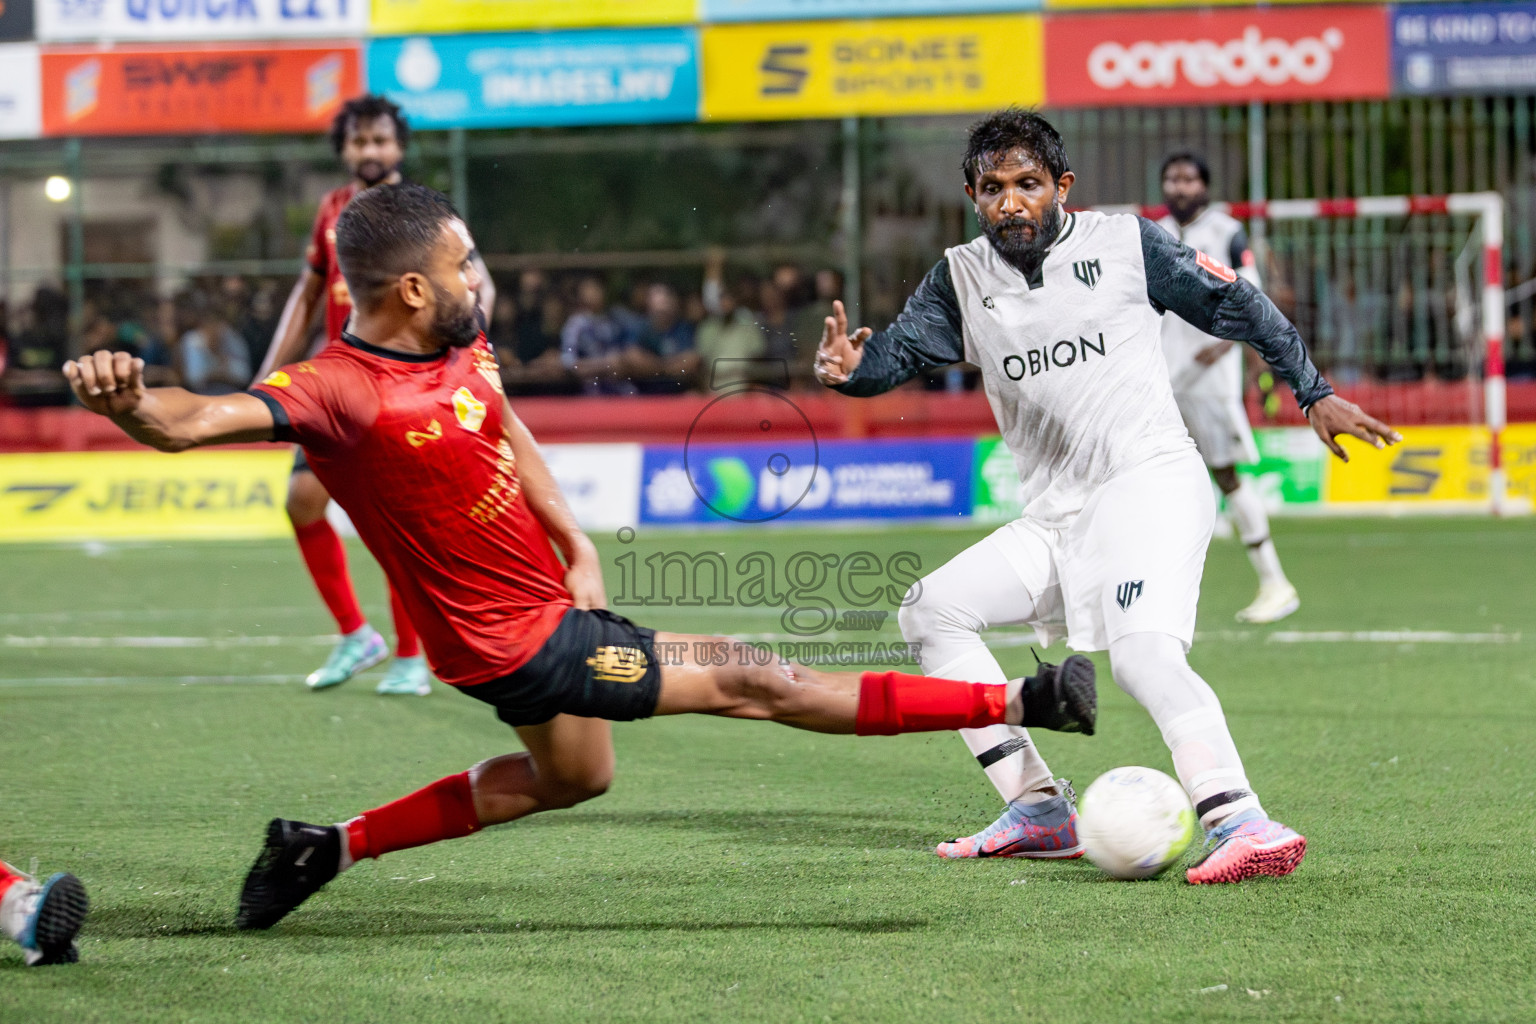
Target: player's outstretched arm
{"x":925,"y":336}
{"x":584,"y":571}
{"x":170,"y":419}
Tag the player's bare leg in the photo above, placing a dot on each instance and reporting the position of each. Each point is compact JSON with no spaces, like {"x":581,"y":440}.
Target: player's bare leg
{"x":1245,"y":842}
{"x":943,"y":616}
{"x":570,"y":759}
{"x":1277,"y":598}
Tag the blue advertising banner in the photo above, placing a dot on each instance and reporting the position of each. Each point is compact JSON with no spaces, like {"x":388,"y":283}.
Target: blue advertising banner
{"x":1464,"y":48}
{"x":504,"y":80}
{"x":807,"y":10}
{"x":803,"y":481}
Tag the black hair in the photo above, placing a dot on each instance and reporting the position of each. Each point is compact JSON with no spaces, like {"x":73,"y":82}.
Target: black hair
{"x":1187,"y":157}
{"x":1010,"y":129}
{"x":368,"y":107}
{"x":387,"y":231}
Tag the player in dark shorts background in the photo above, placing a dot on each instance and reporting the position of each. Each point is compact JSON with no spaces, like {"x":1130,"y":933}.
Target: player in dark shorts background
{"x":370,"y":135}
{"x":405,"y":423}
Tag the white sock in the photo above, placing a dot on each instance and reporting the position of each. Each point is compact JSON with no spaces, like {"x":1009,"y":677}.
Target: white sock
{"x":1152,"y":668}
{"x":1005,"y":752}
{"x":1252,"y":522}
{"x":346,"y":860}
{"x":16,"y":906}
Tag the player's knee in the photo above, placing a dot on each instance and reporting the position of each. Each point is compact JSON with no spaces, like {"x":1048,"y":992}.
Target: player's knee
{"x":307,"y":499}
{"x":930,"y":611}
{"x":766,"y":689}
{"x":569,"y":788}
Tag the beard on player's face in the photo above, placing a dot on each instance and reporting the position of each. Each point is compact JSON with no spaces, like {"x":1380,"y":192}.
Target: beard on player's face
{"x":371,"y":172}
{"x":1184,"y":205}
{"x":1023,"y":241}
{"x":453,"y":322}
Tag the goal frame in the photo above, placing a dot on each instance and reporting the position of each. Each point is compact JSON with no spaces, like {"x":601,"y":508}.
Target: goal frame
{"x":1488,"y":210}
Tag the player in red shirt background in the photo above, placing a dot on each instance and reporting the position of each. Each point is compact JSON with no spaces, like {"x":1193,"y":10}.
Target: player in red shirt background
{"x":406,"y":424}
{"x":370,"y":135}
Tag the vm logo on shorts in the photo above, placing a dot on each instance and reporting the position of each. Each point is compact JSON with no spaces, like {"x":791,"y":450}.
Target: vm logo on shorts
{"x":1127,"y":593}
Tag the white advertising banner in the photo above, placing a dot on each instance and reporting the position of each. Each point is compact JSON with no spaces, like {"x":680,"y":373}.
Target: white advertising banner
{"x":601,"y":482}
{"x":21,"y":92}
{"x":179,"y":20}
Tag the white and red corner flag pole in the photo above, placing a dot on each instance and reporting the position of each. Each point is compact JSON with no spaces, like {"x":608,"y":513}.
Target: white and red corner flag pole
{"x":1488,"y":207}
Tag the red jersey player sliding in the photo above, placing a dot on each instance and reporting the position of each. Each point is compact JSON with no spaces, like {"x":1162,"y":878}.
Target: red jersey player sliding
{"x":406,"y":426}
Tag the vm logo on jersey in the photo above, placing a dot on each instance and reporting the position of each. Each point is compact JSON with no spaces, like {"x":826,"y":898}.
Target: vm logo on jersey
{"x":1127,"y":593}
{"x":1088,"y":272}
{"x":1062,"y":354}
{"x":784,"y":70}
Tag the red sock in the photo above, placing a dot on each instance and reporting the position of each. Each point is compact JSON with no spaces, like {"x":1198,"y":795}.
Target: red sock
{"x":443,"y":810}
{"x":894,"y":702}
{"x":406,"y":643}
{"x":327,"y":561}
{"x":7,"y":876}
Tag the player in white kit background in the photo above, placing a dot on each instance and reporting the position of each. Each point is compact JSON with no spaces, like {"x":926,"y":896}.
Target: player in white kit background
{"x":1062,"y":313}
{"x":1207,"y":377}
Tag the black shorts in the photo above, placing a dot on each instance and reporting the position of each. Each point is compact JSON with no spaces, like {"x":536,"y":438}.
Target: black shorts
{"x":595,"y":664}
{"x":300,"y":461}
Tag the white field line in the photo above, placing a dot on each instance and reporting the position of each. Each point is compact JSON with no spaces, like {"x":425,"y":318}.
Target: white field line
{"x":1364,"y":636}
{"x":142,"y":680}
{"x":217,"y":643}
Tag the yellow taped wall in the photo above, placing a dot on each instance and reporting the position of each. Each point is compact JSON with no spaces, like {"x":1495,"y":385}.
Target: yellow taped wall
{"x":879,"y":66}
{"x":144,"y":495}
{"x":1433,"y":465}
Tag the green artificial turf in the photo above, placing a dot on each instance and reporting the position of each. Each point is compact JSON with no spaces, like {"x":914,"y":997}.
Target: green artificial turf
{"x":745,"y":871}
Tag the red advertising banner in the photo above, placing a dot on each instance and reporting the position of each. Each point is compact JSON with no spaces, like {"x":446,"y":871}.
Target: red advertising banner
{"x":165,"y":90}
{"x":1217,"y":56}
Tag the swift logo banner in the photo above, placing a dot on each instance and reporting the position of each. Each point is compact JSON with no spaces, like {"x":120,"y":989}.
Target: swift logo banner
{"x":1217,"y":56}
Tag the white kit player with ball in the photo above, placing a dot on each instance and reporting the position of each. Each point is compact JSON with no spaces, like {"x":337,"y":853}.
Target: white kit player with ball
{"x":1207,"y":377}
{"x":1062,"y":314}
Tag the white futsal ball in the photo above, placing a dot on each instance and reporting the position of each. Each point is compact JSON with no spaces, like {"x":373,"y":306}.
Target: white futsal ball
{"x":1134,"y":822}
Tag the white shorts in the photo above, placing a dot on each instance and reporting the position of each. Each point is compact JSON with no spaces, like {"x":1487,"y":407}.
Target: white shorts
{"x":1130,"y":562}
{"x":1219,"y":425}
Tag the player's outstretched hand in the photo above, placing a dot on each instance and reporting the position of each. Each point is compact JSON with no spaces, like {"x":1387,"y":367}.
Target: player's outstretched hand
{"x":1333,"y":416}
{"x":109,"y":383}
{"x":584,"y":580}
{"x":839,"y":353}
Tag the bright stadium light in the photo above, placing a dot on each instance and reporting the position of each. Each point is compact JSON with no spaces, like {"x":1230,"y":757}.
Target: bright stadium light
{"x":58,"y":188}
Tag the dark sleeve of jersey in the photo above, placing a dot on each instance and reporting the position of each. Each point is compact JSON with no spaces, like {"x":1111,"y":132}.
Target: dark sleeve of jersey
{"x":1238,"y":250}
{"x":1227,"y":307}
{"x":282,"y":427}
{"x":926,"y":335}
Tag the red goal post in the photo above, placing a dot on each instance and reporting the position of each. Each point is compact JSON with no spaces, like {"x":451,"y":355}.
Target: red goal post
{"x":1487,"y":211}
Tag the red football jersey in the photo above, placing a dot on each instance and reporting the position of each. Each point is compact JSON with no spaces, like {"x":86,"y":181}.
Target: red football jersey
{"x":413,"y":448}
{"x":321,"y":256}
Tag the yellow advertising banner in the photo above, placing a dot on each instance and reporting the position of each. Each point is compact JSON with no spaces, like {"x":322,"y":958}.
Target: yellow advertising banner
{"x":886,"y":66}
{"x":401,"y":17}
{"x":144,"y":495}
{"x":1433,"y":465}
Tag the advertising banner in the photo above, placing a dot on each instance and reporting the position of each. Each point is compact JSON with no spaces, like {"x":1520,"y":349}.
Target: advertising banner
{"x":601,"y":482}
{"x":795,"y":10}
{"x":170,"y":20}
{"x":805,"y":482}
{"x":1290,"y":469}
{"x":21,"y":95}
{"x":1218,"y":56}
{"x":1464,"y":48}
{"x":144,"y":495}
{"x":995,"y":491}
{"x":639,"y":76}
{"x":409,"y":17}
{"x":896,"y":66}
{"x":16,"y":20}
{"x":137,"y":90}
{"x":1434,"y":465}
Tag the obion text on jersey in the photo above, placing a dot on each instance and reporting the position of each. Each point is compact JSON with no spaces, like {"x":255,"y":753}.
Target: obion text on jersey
{"x":1060,"y":355}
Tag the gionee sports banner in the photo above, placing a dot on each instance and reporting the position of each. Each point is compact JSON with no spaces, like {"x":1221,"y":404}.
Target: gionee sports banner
{"x":792,"y":10}
{"x":21,"y":103}
{"x":165,"y":20}
{"x":140,"y":90}
{"x":638,"y":76}
{"x":797,"y":482}
{"x":1433,"y":465}
{"x":894,"y":66}
{"x":417,"y":16}
{"x":1216,"y":56}
{"x":1464,"y":48}
{"x":144,"y":495}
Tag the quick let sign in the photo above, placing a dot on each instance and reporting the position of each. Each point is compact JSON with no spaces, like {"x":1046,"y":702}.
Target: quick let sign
{"x":80,"y":20}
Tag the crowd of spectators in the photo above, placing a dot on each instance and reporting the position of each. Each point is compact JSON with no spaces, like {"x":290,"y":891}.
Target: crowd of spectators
{"x":571,"y":334}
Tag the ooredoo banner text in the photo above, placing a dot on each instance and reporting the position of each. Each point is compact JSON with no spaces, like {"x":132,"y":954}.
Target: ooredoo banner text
{"x":189,"y":89}
{"x":1216,"y":56}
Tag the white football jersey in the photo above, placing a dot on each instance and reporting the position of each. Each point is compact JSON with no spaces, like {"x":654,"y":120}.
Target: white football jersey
{"x":1073,"y":367}
{"x":1212,"y":233}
